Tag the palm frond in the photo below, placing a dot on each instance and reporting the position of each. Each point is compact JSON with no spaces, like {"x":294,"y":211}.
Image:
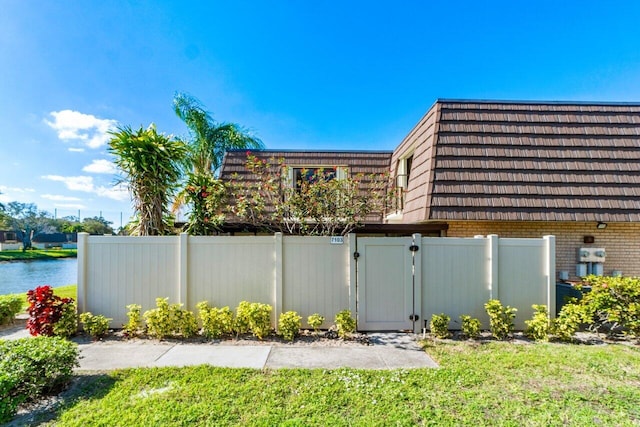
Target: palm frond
{"x":209,"y":139}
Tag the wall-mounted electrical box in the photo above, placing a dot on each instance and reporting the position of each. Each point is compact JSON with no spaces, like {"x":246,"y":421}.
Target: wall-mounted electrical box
{"x":591,"y":255}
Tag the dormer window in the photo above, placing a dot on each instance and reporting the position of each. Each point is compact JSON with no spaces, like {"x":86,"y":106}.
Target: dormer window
{"x":404,"y":172}
{"x":311,"y":174}
{"x":402,"y":179}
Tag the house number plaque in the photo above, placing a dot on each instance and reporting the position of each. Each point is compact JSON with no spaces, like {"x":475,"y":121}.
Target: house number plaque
{"x":337,"y":240}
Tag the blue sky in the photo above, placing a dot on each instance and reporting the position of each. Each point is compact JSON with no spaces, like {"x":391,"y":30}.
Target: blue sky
{"x":299,"y":74}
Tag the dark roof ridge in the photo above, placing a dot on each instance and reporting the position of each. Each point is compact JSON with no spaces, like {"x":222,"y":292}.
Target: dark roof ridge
{"x":538,"y":102}
{"x":288,"y":150}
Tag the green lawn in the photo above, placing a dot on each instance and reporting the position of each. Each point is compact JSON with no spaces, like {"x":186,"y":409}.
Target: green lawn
{"x":477,"y":384}
{"x":37,"y":254}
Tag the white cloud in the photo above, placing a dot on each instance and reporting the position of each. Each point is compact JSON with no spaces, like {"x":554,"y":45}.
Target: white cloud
{"x":4,"y":188}
{"x":76,"y":183}
{"x":10,"y":194}
{"x":100,"y":166}
{"x":86,"y":128}
{"x":85,"y":184}
{"x":118,"y":192}
{"x":76,"y":150}
{"x":59,"y":198}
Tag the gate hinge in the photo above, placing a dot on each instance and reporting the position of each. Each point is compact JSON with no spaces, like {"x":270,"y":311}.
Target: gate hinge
{"x":414,"y":248}
{"x":414,"y":317}
{"x":356,"y":255}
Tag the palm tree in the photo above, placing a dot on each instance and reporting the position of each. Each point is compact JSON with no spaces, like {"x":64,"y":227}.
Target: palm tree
{"x":209,"y":140}
{"x":151,"y":166}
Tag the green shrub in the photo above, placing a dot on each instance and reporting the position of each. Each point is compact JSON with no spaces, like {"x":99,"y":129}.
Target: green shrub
{"x":568,"y":322}
{"x":8,"y":404}
{"x":289,"y":325}
{"x":30,"y":367}
{"x":184,"y":321}
{"x":260,"y":319}
{"x":158,"y":320}
{"x":67,"y":325}
{"x":470,"y":326}
{"x":613,"y":304}
{"x":168,"y":320}
{"x":134,"y":318}
{"x":500,"y":318}
{"x":315,"y":321}
{"x":216,"y":322}
{"x":254,"y":317}
{"x":439,"y":325}
{"x":241,"y":323}
{"x":539,"y":327}
{"x":345,"y":324}
{"x":10,"y":305}
{"x":95,"y":325}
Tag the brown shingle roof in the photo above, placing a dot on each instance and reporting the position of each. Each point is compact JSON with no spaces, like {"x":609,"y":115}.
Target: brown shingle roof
{"x":357,"y":162}
{"x":365,"y":163}
{"x":536,"y":161}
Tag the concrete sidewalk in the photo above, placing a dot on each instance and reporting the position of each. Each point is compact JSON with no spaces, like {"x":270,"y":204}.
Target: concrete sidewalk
{"x":108,"y":355}
{"x":388,"y":351}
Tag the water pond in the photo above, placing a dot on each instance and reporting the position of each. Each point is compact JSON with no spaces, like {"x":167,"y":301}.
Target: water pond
{"x":20,"y":276}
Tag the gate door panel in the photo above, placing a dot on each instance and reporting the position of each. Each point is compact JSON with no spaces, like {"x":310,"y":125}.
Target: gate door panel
{"x":384,"y":283}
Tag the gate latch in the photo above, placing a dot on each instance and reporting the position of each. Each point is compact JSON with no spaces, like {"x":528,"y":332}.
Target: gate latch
{"x":414,"y":248}
{"x":414,"y":317}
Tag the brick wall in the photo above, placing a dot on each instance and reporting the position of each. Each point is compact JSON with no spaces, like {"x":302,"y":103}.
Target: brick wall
{"x":621,"y":240}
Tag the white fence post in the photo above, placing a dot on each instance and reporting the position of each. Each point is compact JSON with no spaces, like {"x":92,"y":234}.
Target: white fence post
{"x":183,"y":267}
{"x":417,"y":283}
{"x":353,"y":278}
{"x":493,"y":273}
{"x":82,"y":272}
{"x":550,"y":264}
{"x":278,"y":278}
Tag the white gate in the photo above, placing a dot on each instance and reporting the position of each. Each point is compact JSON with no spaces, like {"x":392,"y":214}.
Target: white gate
{"x":385,"y":283}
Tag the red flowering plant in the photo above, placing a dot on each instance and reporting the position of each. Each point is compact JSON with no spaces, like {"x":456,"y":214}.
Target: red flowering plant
{"x":45,"y":310}
{"x":205,"y":196}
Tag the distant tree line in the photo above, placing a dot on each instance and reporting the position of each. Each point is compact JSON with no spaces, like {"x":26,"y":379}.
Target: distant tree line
{"x":27,"y":221}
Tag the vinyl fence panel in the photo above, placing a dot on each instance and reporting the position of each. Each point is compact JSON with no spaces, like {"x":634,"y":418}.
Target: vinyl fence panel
{"x":119,"y":271}
{"x":315,"y":276}
{"x":226,"y":270}
{"x":523,"y":276}
{"x":455,"y":278}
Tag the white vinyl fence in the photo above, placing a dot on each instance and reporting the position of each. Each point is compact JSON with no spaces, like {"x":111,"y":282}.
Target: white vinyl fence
{"x":459,"y":275}
{"x":314,"y":275}
{"x":305,"y":274}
